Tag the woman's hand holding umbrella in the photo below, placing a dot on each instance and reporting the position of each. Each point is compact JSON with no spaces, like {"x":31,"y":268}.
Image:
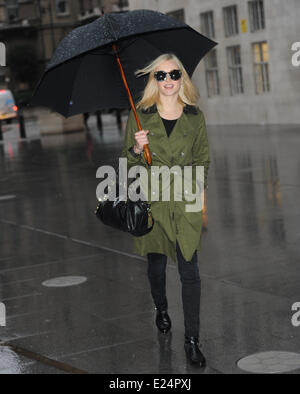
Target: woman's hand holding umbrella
{"x":141,"y":140}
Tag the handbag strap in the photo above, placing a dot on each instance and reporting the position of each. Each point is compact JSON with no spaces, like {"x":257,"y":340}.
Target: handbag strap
{"x":150,"y":228}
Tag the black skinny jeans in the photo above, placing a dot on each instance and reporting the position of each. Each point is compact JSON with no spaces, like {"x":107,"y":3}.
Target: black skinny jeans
{"x":191,"y":287}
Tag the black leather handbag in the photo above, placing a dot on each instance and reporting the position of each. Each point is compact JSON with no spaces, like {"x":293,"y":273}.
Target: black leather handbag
{"x":129,"y":216}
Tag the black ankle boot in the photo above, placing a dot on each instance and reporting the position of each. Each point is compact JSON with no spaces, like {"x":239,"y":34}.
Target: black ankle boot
{"x":163,"y":320}
{"x":194,"y":354}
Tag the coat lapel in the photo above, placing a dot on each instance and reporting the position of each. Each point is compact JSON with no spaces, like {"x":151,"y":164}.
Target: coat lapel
{"x":159,"y":142}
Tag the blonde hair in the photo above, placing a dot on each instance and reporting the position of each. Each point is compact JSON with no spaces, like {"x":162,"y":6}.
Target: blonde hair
{"x":188,"y":93}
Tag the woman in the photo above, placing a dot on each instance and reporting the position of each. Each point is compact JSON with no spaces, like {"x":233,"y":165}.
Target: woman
{"x":174,"y":127}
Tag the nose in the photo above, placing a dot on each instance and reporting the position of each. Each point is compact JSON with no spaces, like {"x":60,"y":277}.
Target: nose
{"x":168,"y":78}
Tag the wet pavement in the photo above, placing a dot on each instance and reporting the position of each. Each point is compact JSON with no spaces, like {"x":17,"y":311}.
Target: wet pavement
{"x":249,"y":263}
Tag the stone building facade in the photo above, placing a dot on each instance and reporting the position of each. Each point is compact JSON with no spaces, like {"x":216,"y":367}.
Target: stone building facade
{"x":41,"y":24}
{"x":249,"y":77}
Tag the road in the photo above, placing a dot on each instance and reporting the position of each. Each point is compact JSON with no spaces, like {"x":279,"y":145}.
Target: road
{"x":249,"y":263}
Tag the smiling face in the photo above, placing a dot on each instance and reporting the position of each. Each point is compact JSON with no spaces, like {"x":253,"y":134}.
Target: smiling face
{"x":168,"y":87}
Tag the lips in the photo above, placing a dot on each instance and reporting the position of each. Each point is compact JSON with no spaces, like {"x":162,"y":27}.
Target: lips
{"x":168,"y":86}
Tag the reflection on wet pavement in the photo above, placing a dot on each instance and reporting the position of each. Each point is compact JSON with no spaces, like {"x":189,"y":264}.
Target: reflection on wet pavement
{"x":249,"y":261}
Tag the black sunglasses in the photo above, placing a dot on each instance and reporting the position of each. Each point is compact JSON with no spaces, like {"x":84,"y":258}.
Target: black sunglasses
{"x":162,"y":75}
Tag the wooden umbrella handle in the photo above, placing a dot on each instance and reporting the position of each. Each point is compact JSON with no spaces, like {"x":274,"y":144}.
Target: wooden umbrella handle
{"x":147,"y":154}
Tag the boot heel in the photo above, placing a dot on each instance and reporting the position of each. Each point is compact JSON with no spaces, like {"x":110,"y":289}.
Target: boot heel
{"x":194,"y":354}
{"x":163,"y":321}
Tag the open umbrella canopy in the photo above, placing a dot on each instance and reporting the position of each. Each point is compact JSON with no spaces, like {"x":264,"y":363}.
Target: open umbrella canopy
{"x":83,"y":74}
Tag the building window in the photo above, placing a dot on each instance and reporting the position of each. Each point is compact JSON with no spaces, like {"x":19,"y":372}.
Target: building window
{"x":207,"y":24}
{"x":91,"y":7}
{"x":62,"y":7}
{"x":177,"y":14}
{"x":261,"y":67}
{"x":212,"y":74}
{"x":122,"y":4}
{"x":2,"y":76}
{"x":256,"y":15}
{"x":235,"y":70}
{"x":81,"y":7}
{"x":230,"y":20}
{"x":12,"y":10}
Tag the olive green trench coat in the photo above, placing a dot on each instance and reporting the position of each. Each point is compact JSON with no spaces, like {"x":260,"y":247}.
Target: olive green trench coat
{"x":186,"y":146}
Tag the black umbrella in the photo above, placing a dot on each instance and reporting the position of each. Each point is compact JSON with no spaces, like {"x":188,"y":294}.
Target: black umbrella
{"x":87,"y":70}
